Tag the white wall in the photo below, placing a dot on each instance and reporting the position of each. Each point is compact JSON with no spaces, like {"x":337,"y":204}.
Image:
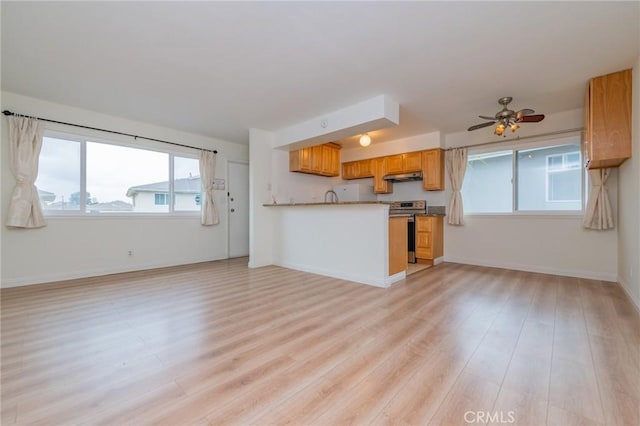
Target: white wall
{"x":628,"y":205}
{"x":78,"y":247}
{"x":398,"y":146}
{"x":555,"y":245}
{"x":260,"y":183}
{"x":540,"y":243}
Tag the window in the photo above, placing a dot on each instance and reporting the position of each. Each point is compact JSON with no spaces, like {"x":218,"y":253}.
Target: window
{"x":58,"y":180}
{"x":81,"y":176}
{"x":187,"y":184}
{"x":547,"y":178}
{"x":124,"y":179}
{"x":550,"y":178}
{"x":161,"y":199}
{"x":563,"y":173}
{"x":487,"y":183}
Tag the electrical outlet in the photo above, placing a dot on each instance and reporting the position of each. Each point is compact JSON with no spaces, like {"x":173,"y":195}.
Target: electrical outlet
{"x":130,"y":252}
{"x":324,"y":123}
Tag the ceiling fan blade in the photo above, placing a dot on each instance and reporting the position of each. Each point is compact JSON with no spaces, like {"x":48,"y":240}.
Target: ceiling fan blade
{"x":480,"y":126}
{"x":484,"y":117}
{"x":531,"y":118}
{"x":523,"y":112}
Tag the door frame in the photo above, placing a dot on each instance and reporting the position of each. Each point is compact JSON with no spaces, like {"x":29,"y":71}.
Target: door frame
{"x":229,"y":205}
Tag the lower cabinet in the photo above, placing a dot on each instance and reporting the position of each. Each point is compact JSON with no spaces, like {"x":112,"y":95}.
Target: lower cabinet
{"x":397,"y":244}
{"x":429,"y":237}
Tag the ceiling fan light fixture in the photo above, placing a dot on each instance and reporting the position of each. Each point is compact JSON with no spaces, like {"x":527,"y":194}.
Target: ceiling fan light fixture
{"x":507,"y":118}
{"x":365,"y":140}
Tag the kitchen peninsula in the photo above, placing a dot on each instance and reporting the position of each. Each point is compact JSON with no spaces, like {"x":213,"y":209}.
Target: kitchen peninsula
{"x":347,"y":240}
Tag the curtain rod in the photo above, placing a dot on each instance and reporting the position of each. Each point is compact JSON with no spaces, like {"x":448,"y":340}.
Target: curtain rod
{"x":559,"y":132}
{"x":8,"y":113}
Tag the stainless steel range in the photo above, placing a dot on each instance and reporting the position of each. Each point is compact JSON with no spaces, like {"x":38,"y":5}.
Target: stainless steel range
{"x":409,"y":209}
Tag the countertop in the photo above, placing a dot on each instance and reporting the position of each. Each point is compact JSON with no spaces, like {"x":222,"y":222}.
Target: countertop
{"x":436,"y":213}
{"x":340,"y":203}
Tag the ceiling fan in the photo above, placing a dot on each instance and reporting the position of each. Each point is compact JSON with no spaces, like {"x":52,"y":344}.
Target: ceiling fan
{"x":508,"y":118}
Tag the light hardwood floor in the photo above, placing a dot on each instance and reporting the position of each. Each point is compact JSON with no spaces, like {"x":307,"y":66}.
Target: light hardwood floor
{"x":218,"y":343}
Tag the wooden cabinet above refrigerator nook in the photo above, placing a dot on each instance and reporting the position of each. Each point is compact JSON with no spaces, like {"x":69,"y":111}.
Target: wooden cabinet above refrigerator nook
{"x":607,"y":120}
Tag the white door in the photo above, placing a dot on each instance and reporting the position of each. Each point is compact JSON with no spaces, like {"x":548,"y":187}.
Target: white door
{"x":238,"y":193}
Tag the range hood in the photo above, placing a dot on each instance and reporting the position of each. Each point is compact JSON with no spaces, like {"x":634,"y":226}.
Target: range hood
{"x":404,"y":177}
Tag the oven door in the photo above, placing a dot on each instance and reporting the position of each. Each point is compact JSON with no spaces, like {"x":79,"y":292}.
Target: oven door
{"x":411,"y":240}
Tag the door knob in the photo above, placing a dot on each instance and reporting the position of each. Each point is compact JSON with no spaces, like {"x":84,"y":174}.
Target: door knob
{"x":232,"y":199}
{"x":233,"y":210}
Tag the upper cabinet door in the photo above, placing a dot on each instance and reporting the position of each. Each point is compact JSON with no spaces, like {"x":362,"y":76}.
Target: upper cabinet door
{"x":381,"y":186}
{"x":412,"y":162}
{"x":394,"y":164}
{"x":433,"y":170}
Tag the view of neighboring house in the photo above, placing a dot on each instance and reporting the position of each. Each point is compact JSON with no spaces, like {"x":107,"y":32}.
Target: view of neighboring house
{"x":46,"y":197}
{"x":154,"y":197}
{"x":48,"y":201}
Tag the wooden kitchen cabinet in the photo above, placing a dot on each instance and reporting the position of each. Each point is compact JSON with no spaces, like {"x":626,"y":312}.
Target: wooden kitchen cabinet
{"x":381,"y":186}
{"x":429,"y":238}
{"x":412,"y":162}
{"x":433,"y":170}
{"x":394,"y":164}
{"x":365,"y":168}
{"x":300,"y":160}
{"x":404,"y":163}
{"x":330,"y":161}
{"x":322,"y":160}
{"x":397,"y":244}
{"x":607,"y":135}
{"x":316,"y":159}
{"x":430,"y":162}
{"x":357,"y":169}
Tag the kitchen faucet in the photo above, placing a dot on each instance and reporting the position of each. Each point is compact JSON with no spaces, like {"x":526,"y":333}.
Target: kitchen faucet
{"x":333,"y":198}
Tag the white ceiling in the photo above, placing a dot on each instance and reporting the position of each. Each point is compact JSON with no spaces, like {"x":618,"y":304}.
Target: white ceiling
{"x":219,"y":68}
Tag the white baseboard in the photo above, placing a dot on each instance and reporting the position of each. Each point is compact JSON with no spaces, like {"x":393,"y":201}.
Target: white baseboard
{"x":625,"y":286}
{"x":592,"y":275}
{"x":88,"y":273}
{"x":361,"y":279}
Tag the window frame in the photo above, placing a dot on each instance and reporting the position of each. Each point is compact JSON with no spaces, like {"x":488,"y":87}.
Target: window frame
{"x":549,"y":172}
{"x":83,"y":213}
{"x":516,"y":146}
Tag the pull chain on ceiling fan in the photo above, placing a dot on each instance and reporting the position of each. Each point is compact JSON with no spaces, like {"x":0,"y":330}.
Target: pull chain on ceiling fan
{"x":506,"y":118}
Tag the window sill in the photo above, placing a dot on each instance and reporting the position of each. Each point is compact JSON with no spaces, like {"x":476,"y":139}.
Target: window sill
{"x":122,"y":216}
{"x":546,"y":215}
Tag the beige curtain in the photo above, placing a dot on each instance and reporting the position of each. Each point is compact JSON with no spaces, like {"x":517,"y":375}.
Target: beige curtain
{"x":598,"y":212}
{"x":25,"y":143}
{"x":456,"y":167}
{"x":207,"y":174}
